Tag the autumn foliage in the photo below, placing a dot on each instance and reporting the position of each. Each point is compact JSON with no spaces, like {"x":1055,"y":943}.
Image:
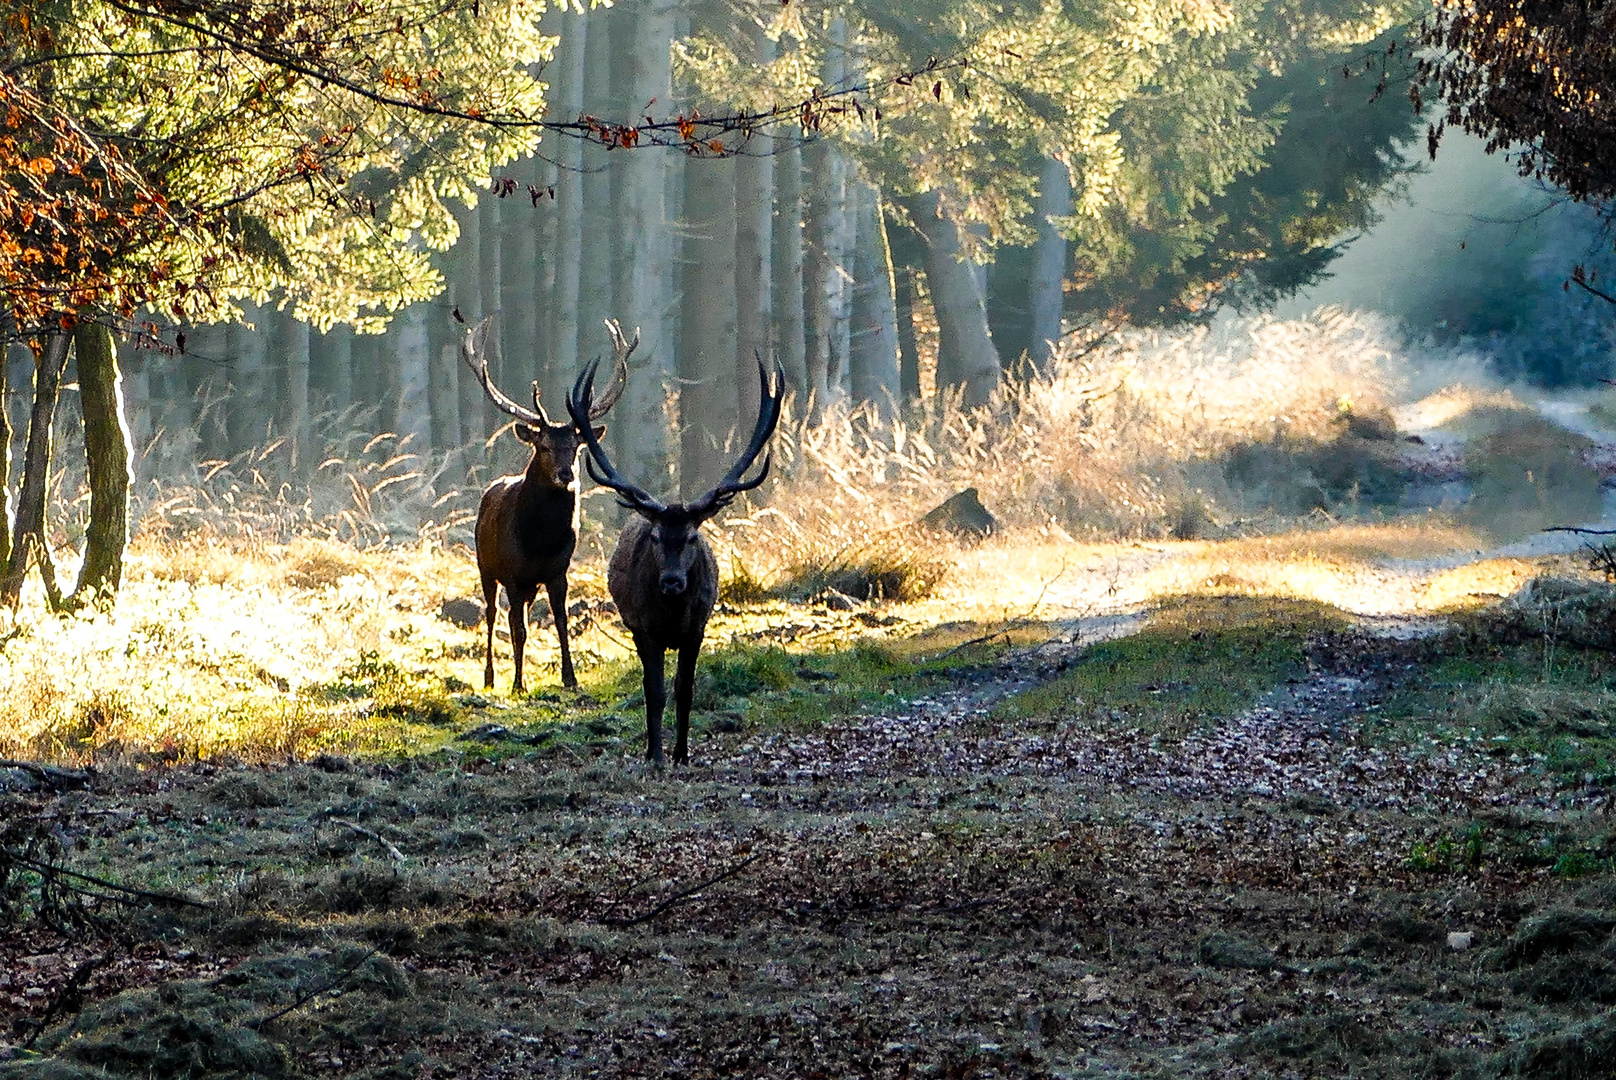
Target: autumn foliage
{"x":73,"y":213}
{"x":1534,"y":77}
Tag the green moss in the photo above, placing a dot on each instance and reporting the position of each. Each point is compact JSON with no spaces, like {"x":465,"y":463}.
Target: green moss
{"x":1196,"y":661}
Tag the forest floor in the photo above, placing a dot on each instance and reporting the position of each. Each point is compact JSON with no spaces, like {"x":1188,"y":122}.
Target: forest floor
{"x":1256,"y":838}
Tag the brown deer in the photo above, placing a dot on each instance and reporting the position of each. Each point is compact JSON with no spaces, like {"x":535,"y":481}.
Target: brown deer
{"x":527,"y":524}
{"x":663,"y":576}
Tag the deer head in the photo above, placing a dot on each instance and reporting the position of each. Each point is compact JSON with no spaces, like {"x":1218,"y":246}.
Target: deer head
{"x":555,"y":446}
{"x":674,"y":527}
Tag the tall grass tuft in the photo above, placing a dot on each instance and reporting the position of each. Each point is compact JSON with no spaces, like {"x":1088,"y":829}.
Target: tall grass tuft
{"x":1131,"y":439}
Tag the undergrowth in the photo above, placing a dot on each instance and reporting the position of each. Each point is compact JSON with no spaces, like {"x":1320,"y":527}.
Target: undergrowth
{"x":1197,"y":660}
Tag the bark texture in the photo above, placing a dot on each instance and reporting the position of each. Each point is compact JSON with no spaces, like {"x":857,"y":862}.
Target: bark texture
{"x":107,"y":453}
{"x":874,"y":348}
{"x":707,"y":395}
{"x":966,"y":354}
{"x":1049,"y":263}
{"x":790,"y":340}
{"x":28,"y":530}
{"x":647,"y":295}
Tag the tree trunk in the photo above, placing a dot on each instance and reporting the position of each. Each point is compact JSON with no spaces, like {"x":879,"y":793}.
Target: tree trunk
{"x":754,"y":277}
{"x":490,"y":222}
{"x":567,"y":99}
{"x":908,"y":345}
{"x":338,"y":368}
{"x":249,"y":378}
{"x":965,"y":348}
{"x":874,"y":351}
{"x":107,"y":451}
{"x":142,"y":403}
{"x":295,"y":411}
{"x":1049,"y":263}
{"x":413,"y":365}
{"x":596,"y":301}
{"x":707,"y":394}
{"x":790,"y":340}
{"x":647,"y":296}
{"x":828,"y":329}
{"x":5,"y":457}
{"x":28,"y":529}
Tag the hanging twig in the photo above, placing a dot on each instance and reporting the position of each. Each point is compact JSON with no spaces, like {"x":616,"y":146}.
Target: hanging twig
{"x":686,"y":894}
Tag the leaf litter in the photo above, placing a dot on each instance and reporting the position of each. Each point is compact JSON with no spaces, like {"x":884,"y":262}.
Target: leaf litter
{"x":946,"y":885}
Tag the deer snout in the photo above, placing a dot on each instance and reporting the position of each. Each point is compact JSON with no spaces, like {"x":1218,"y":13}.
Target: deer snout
{"x":564,"y":475}
{"x":672,"y":583}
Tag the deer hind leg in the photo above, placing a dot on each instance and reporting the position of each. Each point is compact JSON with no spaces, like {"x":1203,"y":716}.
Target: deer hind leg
{"x":519,"y":602}
{"x":558,"y":610}
{"x":490,"y":610}
{"x":684,"y":690}
{"x":655,"y":697}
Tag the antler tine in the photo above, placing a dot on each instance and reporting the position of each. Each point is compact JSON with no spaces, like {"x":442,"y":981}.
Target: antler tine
{"x":473,"y":350}
{"x":624,"y":349}
{"x":597,"y":463}
{"x":772,"y":392}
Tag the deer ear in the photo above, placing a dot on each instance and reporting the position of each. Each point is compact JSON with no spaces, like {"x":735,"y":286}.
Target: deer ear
{"x":600,"y":433}
{"x":525,"y":433}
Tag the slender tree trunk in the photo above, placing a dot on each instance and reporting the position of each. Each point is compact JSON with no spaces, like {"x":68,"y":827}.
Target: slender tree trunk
{"x":249,"y":378}
{"x":707,"y":394}
{"x":828,"y":309}
{"x":596,"y":301}
{"x":466,"y":296}
{"x":647,"y":296}
{"x":413,"y":364}
{"x":874,"y":352}
{"x":296,"y":413}
{"x":965,"y":351}
{"x":567,"y":103}
{"x":790,"y":339}
{"x":5,"y":457}
{"x":490,"y":219}
{"x":143,"y":406}
{"x":444,"y":395}
{"x":908,"y":344}
{"x":28,"y":529}
{"x":1049,"y":263}
{"x":207,"y":367}
{"x":754,"y":277}
{"x":338,"y":366}
{"x":107,"y":452}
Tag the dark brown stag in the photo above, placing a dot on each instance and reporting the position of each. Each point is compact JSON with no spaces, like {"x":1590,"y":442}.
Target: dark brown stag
{"x":663,"y":576}
{"x":527,"y":524}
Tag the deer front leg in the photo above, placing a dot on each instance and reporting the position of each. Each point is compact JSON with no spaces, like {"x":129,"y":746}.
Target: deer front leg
{"x":519,"y":603}
{"x":684,"y":690}
{"x":655,"y":697}
{"x":558,"y":610}
{"x":490,"y":609}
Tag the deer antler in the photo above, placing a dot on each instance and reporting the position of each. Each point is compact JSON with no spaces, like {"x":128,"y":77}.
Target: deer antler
{"x":772,"y":392}
{"x":598,"y":464}
{"x":473,"y":350}
{"x":624,"y":349}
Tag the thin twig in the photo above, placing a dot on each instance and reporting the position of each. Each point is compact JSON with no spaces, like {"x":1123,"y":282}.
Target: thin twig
{"x":693,"y":890}
{"x":330,"y":984}
{"x":1579,"y":529}
{"x":373,"y":834}
{"x":1014,"y":624}
{"x":42,"y":867}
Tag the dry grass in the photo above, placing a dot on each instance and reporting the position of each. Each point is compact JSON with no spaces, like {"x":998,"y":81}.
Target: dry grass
{"x":1107,"y":445}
